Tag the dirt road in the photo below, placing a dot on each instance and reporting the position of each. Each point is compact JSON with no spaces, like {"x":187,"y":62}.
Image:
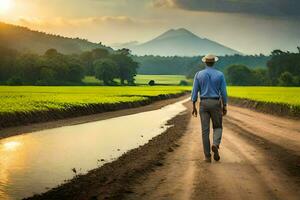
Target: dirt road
{"x":260,"y":159}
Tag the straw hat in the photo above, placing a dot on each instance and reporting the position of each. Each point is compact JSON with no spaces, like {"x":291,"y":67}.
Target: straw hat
{"x":210,"y":58}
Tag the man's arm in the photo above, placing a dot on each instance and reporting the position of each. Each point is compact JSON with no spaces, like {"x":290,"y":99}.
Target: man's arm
{"x":224,"y":95}
{"x":195,"y":92}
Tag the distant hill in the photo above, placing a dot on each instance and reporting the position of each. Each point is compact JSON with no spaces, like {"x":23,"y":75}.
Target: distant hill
{"x":24,"y":39}
{"x":179,"y":42}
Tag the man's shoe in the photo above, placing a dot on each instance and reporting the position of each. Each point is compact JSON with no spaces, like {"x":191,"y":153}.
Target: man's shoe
{"x":207,"y":159}
{"x":215,"y":149}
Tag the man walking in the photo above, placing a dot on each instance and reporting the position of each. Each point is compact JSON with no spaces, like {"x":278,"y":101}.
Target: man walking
{"x":212,"y":87}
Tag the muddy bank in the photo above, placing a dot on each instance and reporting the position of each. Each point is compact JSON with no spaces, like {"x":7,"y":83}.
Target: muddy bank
{"x":113,"y":180}
{"x":17,"y":119}
{"x":279,"y":109}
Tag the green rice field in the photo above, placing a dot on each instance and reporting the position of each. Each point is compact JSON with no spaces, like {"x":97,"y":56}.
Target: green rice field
{"x":22,"y":99}
{"x":34,"y":98}
{"x":282,"y":95}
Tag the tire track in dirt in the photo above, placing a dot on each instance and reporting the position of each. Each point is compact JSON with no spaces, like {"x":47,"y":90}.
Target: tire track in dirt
{"x":178,"y":169}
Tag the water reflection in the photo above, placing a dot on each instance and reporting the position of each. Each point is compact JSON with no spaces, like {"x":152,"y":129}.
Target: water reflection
{"x":10,"y":146}
{"x":12,"y":161}
{"x":33,"y":162}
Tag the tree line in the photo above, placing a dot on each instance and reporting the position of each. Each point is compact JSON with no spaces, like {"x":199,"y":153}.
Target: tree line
{"x":188,"y":65}
{"x":283,"y":69}
{"x":54,"y":68}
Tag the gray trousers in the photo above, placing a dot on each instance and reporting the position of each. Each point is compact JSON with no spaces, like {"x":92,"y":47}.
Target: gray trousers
{"x":211,"y":109}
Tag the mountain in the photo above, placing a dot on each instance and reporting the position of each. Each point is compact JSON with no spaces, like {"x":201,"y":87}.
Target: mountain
{"x":180,"y":42}
{"x":24,"y":39}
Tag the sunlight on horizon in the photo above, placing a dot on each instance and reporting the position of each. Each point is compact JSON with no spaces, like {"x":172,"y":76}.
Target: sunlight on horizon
{"x":5,"y":5}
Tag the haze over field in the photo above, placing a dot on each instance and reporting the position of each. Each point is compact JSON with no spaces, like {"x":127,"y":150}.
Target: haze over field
{"x":247,"y":26}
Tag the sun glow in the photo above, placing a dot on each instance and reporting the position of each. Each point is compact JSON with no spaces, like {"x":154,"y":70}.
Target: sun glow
{"x":10,"y":146}
{"x":5,"y":5}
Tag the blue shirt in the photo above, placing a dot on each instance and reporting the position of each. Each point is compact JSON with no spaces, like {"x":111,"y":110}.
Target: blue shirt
{"x":210,"y":83}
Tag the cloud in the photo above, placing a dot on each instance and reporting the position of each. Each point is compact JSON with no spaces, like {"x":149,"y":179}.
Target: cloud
{"x":98,"y":20}
{"x":282,"y":8}
{"x":114,"y":19}
{"x":107,"y":29}
{"x":39,"y":22}
{"x":164,"y":3}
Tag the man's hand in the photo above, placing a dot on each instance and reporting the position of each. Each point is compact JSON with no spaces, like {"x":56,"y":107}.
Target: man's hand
{"x":195,"y":112}
{"x":224,"y":110}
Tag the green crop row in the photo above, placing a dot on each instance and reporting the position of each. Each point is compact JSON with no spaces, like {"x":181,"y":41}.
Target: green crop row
{"x":281,"y":95}
{"x":30,"y":98}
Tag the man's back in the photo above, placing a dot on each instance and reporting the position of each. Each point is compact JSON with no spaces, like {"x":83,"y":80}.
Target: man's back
{"x":210,"y":83}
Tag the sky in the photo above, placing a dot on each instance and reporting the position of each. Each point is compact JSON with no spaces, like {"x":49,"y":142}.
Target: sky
{"x":249,"y":26}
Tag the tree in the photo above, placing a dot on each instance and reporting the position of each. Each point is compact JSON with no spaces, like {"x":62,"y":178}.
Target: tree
{"x":28,"y":68}
{"x":47,"y":76}
{"x":52,"y":68}
{"x":283,"y":62}
{"x":51,"y":53}
{"x":87,"y":59}
{"x":7,"y":63}
{"x":296,"y":80}
{"x":99,"y":53}
{"x":106,"y":70}
{"x":286,"y":79}
{"x":260,"y":77}
{"x":75,"y":73}
{"x":276,"y":52}
{"x":124,"y":51}
{"x":59,"y":64}
{"x":126,"y":66}
{"x":239,"y":75}
{"x":75,"y":68}
{"x":194,"y":69}
{"x":67,"y":68}
{"x":14,"y":80}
